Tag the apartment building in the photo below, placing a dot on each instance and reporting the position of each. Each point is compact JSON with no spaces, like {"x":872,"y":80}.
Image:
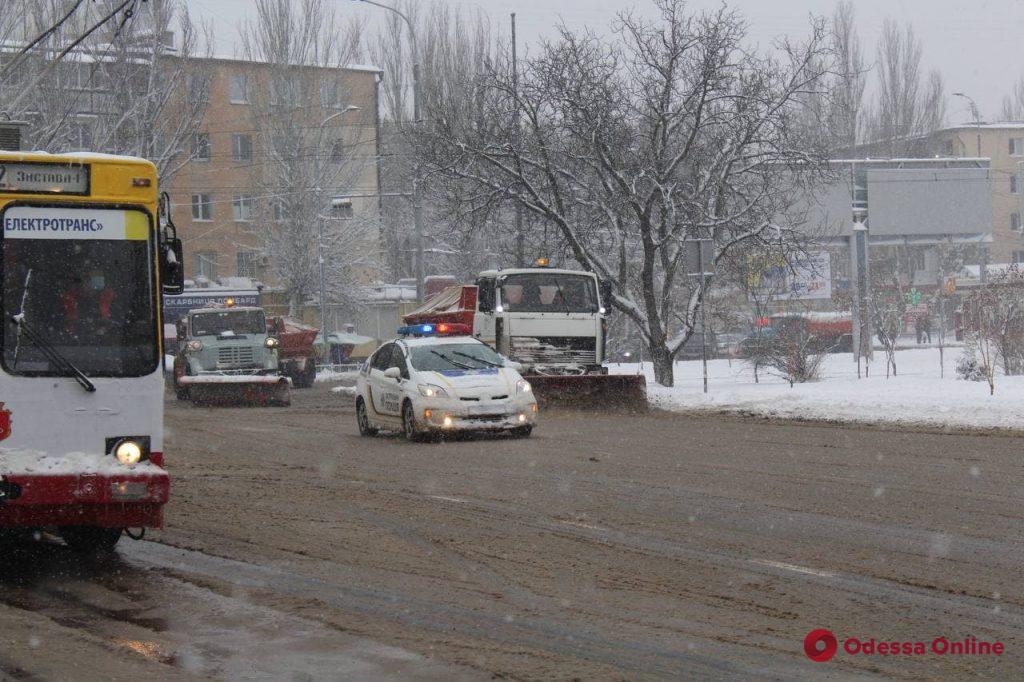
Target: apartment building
{"x":232,"y":187}
{"x":1003,"y":144}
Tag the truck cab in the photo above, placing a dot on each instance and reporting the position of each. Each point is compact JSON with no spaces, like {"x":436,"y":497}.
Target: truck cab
{"x":550,"y":320}
{"x":225,"y":341}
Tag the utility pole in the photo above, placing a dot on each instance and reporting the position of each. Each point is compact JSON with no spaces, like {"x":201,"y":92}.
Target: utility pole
{"x":417,"y":209}
{"x":520,"y":256}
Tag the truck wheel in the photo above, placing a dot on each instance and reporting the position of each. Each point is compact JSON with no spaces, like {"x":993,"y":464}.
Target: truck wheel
{"x":90,"y":539}
{"x":363,"y":419}
{"x":307,"y":377}
{"x":412,"y":433}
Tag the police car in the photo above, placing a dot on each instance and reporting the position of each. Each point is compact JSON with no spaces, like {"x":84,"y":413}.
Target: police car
{"x":436,"y":379}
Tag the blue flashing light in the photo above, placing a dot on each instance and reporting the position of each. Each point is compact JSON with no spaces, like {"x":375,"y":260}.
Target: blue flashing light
{"x":416,"y":330}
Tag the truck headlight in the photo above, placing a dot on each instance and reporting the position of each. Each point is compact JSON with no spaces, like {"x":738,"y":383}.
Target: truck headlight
{"x":432,"y":391}
{"x":128,"y":452}
{"x":195,"y":345}
{"x":271,"y":342}
{"x":523,"y":386}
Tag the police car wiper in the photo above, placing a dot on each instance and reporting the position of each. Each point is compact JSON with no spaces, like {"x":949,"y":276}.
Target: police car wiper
{"x":52,"y":353}
{"x":473,"y":357}
{"x":454,"y":362}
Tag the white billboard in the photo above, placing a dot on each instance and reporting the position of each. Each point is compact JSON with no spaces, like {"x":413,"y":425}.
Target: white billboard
{"x":810,"y":279}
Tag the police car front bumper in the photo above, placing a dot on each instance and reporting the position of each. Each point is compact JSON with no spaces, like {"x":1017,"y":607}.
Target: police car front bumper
{"x":450,"y":416}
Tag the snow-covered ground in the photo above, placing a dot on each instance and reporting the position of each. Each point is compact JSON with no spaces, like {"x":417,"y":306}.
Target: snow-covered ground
{"x":331,"y":375}
{"x":916,"y":396}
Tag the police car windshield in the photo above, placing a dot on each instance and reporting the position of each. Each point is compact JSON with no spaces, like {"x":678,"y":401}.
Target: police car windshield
{"x":454,"y":356}
{"x":92,"y":300}
{"x":235,"y":321}
{"x":549,"y":292}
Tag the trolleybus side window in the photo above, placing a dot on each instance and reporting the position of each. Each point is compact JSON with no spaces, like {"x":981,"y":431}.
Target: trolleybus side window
{"x":91,"y":300}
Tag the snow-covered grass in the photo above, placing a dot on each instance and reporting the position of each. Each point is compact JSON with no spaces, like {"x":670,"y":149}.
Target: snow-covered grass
{"x":916,"y":396}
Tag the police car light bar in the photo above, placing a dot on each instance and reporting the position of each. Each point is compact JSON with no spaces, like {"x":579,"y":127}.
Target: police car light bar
{"x":442,"y":329}
{"x":416,"y":330}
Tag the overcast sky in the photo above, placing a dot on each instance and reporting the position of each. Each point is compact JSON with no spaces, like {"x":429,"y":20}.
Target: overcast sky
{"x":977,"y":45}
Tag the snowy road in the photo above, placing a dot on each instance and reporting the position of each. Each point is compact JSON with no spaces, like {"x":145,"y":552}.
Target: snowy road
{"x":660,"y":546}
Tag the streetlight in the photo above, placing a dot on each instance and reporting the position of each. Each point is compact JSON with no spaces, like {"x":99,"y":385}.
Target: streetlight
{"x":321,"y":261}
{"x":417,"y":217}
{"x":974,"y":112}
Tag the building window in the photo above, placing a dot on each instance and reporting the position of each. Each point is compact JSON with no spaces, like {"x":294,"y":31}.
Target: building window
{"x":241,"y":147}
{"x":243,"y":207}
{"x":1015,"y":221}
{"x":247,"y":262}
{"x":202,"y":207}
{"x":238,"y":89}
{"x":1014,"y":184}
{"x":279,"y":211}
{"x":330,"y":95}
{"x":1018,"y":256}
{"x":201,"y":147}
{"x":1017,"y":146}
{"x":947,"y":148}
{"x":199,"y":87}
{"x":338,"y":151}
{"x":206,"y":264}
{"x":341,"y":208}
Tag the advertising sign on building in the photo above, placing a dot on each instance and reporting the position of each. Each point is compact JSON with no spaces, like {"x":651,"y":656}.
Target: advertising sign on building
{"x":809,"y":279}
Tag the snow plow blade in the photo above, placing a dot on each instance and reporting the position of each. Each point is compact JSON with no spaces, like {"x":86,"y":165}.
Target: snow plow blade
{"x":225,"y":391}
{"x":625,"y":392}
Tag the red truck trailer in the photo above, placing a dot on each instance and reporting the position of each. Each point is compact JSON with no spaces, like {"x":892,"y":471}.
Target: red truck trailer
{"x":296,"y":354}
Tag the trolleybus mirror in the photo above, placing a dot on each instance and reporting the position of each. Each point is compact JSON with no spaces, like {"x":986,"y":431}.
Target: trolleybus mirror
{"x":172,"y":267}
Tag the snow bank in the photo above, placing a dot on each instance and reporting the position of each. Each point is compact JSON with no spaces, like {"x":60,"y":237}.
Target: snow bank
{"x":15,"y":461}
{"x":916,"y":396}
{"x":344,"y":390}
{"x":331,"y":375}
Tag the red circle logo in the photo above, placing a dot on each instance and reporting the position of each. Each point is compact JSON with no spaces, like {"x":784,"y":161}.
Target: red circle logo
{"x":820,"y":645}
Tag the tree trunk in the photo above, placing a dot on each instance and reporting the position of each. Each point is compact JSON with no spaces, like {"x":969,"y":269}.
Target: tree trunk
{"x":663,"y":365}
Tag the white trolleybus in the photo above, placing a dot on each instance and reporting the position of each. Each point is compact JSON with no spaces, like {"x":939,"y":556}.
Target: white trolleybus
{"x":84,"y":261}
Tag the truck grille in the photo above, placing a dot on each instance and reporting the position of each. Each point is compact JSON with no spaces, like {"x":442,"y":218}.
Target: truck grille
{"x":231,"y":357}
{"x":554,"y":350}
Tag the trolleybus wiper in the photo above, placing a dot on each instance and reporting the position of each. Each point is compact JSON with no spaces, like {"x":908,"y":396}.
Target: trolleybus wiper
{"x":52,"y":353}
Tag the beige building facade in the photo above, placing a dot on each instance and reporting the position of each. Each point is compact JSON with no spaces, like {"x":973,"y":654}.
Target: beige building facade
{"x":231,"y":189}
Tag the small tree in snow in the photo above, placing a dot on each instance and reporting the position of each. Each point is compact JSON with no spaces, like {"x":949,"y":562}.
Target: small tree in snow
{"x":888,"y":308}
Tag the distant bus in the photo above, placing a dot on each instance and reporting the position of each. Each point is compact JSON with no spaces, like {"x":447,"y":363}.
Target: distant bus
{"x":84,"y":262}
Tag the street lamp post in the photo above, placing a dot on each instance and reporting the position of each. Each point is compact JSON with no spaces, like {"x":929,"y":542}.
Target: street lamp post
{"x":417,"y":210}
{"x":977,"y":117}
{"x":321,"y":261}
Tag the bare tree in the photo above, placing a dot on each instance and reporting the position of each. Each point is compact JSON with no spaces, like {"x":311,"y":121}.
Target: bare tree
{"x":632,"y":150}
{"x":908,"y":104}
{"x":123,"y":88}
{"x":1013,"y":104}
{"x":309,"y":160}
{"x":888,"y":306}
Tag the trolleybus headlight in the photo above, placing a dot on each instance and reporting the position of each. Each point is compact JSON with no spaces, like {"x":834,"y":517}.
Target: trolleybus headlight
{"x":128,"y":452}
{"x":195,"y":345}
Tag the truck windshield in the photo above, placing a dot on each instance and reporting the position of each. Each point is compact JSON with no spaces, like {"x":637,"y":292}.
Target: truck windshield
{"x":235,"y":321}
{"x":91,"y":300}
{"x":454,"y":356}
{"x":549,"y":292}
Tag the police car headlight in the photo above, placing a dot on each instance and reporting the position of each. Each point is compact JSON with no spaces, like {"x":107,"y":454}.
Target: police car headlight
{"x":432,"y":391}
{"x":523,"y":386}
{"x":128,"y":452}
{"x":271,"y":342}
{"x":195,"y":345}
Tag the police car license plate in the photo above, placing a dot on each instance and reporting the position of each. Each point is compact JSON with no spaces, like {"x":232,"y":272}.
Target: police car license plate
{"x":488,"y":408}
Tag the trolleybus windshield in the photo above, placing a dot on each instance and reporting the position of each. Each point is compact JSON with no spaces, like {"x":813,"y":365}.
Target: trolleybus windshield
{"x":82,"y":281}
